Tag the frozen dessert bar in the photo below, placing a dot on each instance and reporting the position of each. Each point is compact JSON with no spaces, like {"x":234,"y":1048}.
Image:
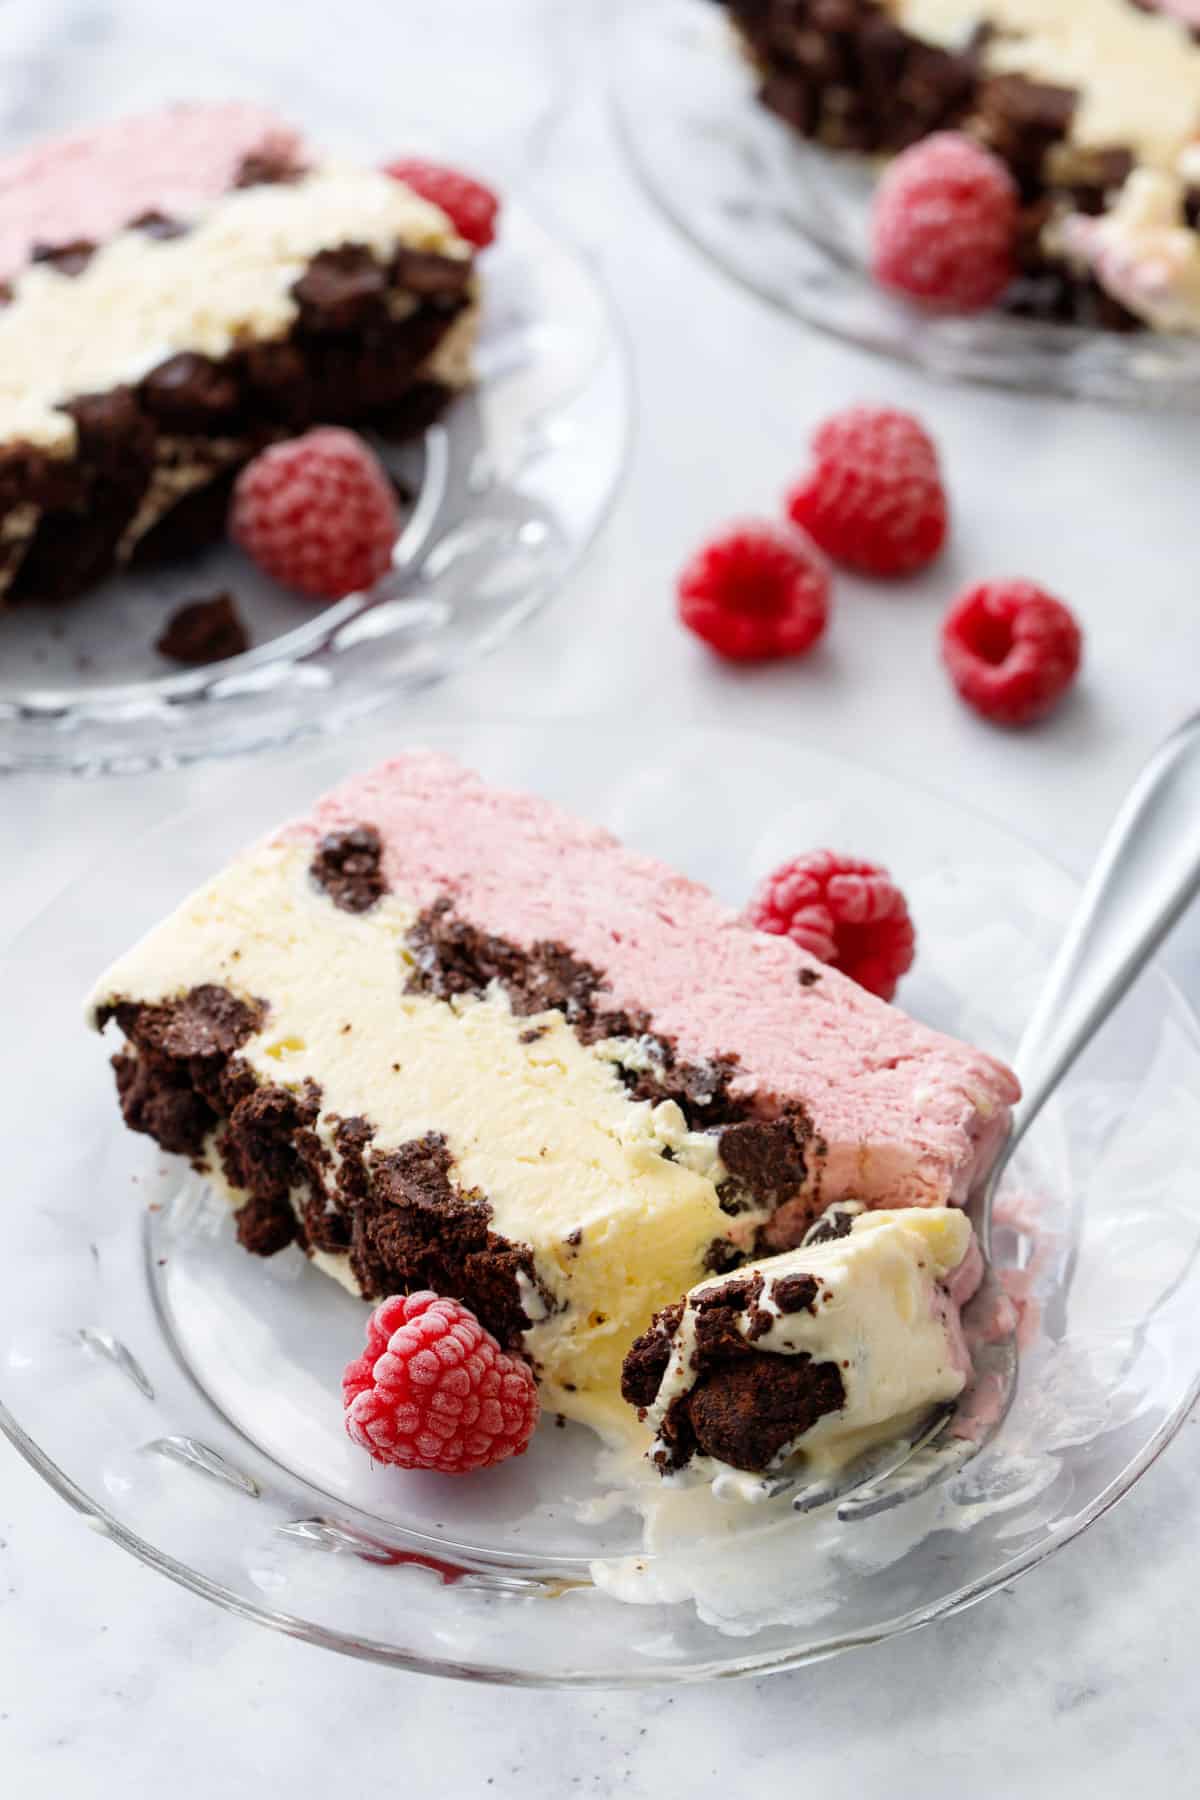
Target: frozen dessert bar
{"x":446,"y":1036}
{"x":813,"y":1355}
{"x":179,"y":290}
{"x":1093,"y":104}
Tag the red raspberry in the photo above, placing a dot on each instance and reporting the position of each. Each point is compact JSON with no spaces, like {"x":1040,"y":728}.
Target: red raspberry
{"x":470,"y":207}
{"x":1012,"y":650}
{"x":434,"y":1390}
{"x":318,"y":513}
{"x":873,"y":498}
{"x":757,"y":591}
{"x":842,"y":911}
{"x":944,"y":224}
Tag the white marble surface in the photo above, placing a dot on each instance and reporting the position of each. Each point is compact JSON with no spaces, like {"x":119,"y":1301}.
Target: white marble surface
{"x":112,"y":1682}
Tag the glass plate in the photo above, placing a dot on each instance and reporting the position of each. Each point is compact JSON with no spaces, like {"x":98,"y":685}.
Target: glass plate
{"x":789,"y":220}
{"x":183,"y":1396}
{"x":508,"y":490}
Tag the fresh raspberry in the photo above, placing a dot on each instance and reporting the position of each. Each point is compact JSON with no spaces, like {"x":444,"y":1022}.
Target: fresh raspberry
{"x":757,"y":591}
{"x":842,"y":911}
{"x":944,"y":224}
{"x":873,"y":498}
{"x":470,"y":207}
{"x":434,"y":1390}
{"x":1012,"y":650}
{"x":318,"y":513}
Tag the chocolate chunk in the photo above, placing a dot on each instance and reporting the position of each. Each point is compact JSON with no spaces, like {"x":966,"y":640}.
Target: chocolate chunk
{"x":278,"y":375}
{"x":75,"y":542}
{"x":196,"y":520}
{"x":161,"y":1102}
{"x":796,"y":1293}
{"x":430,"y":276}
{"x":745,"y":1414}
{"x":341,"y":290}
{"x":844,"y":72}
{"x":115,"y":436}
{"x":1019,"y":120}
{"x":192,"y":393}
{"x":206,"y":1022}
{"x":204,"y":631}
{"x":767,"y":1156}
{"x":808,"y":978}
{"x":256,"y":1146}
{"x":266,"y":166}
{"x":68,"y":259}
{"x":265,"y":1226}
{"x":722,"y":1255}
{"x":347,"y":866}
{"x":454,"y":957}
{"x":171,"y":1088}
{"x":416,"y":1229}
{"x":717,"y":1310}
{"x":647,"y":1358}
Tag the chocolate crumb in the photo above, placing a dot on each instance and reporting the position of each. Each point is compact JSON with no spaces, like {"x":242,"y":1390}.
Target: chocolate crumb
{"x":808,"y":978}
{"x":204,"y":631}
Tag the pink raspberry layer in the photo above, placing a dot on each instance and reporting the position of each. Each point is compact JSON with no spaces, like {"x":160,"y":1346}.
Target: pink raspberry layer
{"x":906,"y":1113}
{"x":91,"y":183}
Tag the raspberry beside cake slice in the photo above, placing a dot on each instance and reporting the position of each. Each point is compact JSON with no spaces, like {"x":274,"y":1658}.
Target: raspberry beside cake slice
{"x":451,"y":1037}
{"x":180,"y":290}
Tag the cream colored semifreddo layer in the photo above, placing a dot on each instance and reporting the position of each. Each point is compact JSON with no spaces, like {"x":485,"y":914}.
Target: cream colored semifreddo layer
{"x":544,"y":1128}
{"x":223,"y":283}
{"x":881,"y":1315}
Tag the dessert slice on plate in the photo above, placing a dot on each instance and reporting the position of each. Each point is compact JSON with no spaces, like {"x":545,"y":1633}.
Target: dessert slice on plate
{"x":1095,"y":109}
{"x":181,"y":290}
{"x":449,"y":1037}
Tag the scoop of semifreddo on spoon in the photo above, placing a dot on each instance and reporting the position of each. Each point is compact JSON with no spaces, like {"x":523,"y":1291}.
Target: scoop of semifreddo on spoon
{"x":840,"y":1370}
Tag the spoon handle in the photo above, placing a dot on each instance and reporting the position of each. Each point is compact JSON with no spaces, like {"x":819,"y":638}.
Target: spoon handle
{"x":1147,"y":872}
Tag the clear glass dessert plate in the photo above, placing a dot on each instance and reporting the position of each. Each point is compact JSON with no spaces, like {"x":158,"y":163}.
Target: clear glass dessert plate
{"x":789,"y":220}
{"x":184,"y":1396}
{"x":507,"y":491}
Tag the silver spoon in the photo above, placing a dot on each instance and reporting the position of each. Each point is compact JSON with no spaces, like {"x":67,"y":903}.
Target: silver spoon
{"x":1146,"y":875}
